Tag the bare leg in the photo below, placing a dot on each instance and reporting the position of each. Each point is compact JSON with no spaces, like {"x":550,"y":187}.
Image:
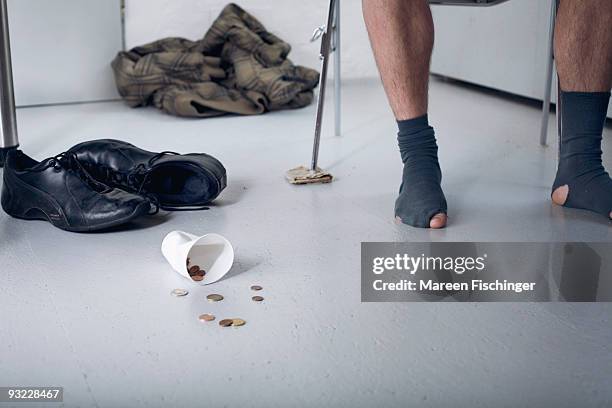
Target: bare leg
{"x":402,"y":34}
{"x":583,"y":50}
{"x":583,"y":45}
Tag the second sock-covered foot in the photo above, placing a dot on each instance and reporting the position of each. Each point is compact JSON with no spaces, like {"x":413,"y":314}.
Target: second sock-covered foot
{"x":421,"y":196}
{"x":581,"y":181}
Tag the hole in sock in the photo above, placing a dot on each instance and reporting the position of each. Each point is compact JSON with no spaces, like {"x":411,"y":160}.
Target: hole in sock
{"x":581,"y":181}
{"x":421,"y":196}
{"x":559,"y":196}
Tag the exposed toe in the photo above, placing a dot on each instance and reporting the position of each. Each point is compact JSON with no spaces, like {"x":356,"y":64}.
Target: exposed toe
{"x":438,"y":221}
{"x":559,"y":196}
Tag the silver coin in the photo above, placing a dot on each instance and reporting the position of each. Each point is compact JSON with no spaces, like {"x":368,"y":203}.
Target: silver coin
{"x":179,"y":292}
{"x":214,"y":297}
{"x":238,"y":322}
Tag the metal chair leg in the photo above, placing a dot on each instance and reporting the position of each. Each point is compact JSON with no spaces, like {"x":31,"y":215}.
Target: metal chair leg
{"x":558,"y":114}
{"x":549,"y":74}
{"x":8,"y":119}
{"x":337,"y":73}
{"x":559,"y":105}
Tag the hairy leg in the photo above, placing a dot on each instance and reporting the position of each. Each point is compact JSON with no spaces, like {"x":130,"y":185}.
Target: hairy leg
{"x":402,"y":37}
{"x":401,"y":33}
{"x":583,"y":45}
{"x":583,"y":51}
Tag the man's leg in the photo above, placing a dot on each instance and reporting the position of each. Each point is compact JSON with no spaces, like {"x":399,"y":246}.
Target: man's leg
{"x":401,"y":33}
{"x":583,"y":50}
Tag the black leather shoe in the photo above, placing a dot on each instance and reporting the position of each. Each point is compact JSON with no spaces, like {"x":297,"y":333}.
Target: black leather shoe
{"x":60,"y":191}
{"x":176,"y":181}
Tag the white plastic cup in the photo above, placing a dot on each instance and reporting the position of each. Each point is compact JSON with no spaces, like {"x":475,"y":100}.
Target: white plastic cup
{"x":211,"y":252}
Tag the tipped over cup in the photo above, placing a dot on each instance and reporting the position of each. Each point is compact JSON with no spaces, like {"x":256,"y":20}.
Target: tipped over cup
{"x":212,"y":253}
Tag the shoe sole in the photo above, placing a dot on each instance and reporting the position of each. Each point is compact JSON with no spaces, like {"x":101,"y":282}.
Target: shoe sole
{"x":42,"y":207}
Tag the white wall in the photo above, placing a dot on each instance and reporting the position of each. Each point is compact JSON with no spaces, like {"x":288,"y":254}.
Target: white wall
{"x":62,"y":49}
{"x":292,"y":20}
{"x":501,"y":47}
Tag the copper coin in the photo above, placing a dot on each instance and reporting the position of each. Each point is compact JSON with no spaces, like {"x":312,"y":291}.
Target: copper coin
{"x":214,"y":297}
{"x":256,"y":287}
{"x":206,"y":317}
{"x":226,"y":322}
{"x":180,"y":292}
{"x":194,"y":269}
{"x":257,"y":298}
{"x":238,"y":322}
{"x":197,"y":278}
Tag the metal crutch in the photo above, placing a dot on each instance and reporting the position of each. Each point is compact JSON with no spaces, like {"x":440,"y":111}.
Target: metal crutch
{"x":325,"y":34}
{"x":337,"y":73}
{"x":313,"y":174}
{"x":8,"y":119}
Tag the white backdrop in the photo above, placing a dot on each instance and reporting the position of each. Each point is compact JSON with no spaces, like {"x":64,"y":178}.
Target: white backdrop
{"x":62,"y":49}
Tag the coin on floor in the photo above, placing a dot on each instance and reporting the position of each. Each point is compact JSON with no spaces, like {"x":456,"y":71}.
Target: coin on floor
{"x":206,"y":317}
{"x":214,"y":297}
{"x":226,"y":322}
{"x":180,"y":292}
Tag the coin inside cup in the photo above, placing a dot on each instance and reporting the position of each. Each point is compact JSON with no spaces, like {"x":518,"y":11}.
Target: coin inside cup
{"x":209,"y":259}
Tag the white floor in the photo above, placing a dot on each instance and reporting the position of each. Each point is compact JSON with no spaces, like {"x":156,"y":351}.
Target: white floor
{"x":93,"y":312}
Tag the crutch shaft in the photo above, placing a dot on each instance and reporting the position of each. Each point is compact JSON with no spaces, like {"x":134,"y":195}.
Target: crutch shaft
{"x":324,"y":55}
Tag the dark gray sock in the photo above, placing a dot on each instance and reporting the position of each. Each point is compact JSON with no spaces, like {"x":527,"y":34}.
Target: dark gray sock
{"x":582,"y":117}
{"x":420,"y":196}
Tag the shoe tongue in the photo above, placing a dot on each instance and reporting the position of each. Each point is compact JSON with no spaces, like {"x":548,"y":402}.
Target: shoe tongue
{"x":159,"y":157}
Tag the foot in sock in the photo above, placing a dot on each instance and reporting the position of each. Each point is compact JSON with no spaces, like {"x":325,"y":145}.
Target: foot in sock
{"x":582,"y":181}
{"x":421,"y":202}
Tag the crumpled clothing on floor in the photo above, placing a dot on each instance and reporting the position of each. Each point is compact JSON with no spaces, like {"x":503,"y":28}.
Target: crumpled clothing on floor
{"x":238,"y":67}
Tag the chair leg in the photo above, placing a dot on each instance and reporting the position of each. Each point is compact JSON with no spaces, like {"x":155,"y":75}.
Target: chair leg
{"x":559,"y":116}
{"x":337,"y":73}
{"x":8,"y":119}
{"x":549,"y":75}
{"x":559,"y":105}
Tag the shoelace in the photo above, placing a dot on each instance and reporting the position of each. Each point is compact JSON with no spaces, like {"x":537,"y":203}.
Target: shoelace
{"x":137,"y":179}
{"x":69,"y":161}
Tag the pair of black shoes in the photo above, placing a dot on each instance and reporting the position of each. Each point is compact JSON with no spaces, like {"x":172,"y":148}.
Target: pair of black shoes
{"x":101,"y":184}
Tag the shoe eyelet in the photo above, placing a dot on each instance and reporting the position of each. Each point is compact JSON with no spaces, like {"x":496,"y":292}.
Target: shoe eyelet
{"x":56,"y":166}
